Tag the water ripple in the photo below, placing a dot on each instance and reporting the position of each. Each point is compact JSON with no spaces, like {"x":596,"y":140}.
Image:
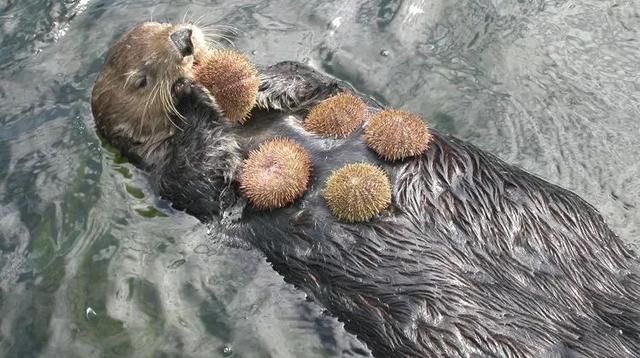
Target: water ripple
{"x":108,"y":269}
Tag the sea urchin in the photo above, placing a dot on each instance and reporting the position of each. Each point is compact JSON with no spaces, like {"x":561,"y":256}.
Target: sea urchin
{"x":275,"y":174}
{"x":357,"y":192}
{"x":337,"y":116}
{"x":232,"y":80}
{"x":396,"y":135}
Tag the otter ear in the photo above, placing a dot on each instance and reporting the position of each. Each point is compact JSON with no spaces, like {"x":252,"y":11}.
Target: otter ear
{"x":194,"y":102}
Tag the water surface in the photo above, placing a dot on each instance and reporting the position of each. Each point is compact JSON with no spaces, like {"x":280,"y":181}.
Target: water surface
{"x":92,"y":264}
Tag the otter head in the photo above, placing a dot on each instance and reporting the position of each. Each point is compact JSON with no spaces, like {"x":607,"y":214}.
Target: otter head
{"x":132,"y":101}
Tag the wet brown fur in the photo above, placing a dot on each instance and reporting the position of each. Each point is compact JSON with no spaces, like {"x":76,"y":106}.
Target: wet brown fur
{"x":131,"y":100}
{"x":473,"y":258}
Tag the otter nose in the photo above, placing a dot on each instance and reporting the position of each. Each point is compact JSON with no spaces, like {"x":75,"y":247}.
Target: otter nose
{"x":182,"y":40}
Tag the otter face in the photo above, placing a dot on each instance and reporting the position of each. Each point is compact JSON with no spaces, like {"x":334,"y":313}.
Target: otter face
{"x":132,"y":99}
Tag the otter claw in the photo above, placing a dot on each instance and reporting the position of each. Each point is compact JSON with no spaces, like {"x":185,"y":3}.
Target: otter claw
{"x":194,"y":101}
{"x":182,"y":85}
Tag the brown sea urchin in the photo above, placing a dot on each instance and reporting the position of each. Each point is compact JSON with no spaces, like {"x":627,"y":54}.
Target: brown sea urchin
{"x":275,"y":174}
{"x":357,"y":192}
{"x":336,"y":117}
{"x":232,"y":80}
{"x":396,"y":135}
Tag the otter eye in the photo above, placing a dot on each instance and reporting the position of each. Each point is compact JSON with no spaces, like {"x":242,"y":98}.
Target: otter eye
{"x":141,"y":82}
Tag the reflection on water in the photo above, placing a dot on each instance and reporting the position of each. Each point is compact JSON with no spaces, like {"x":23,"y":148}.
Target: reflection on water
{"x":92,"y":264}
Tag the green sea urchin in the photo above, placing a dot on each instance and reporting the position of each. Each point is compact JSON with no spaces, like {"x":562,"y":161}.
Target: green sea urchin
{"x":357,"y":192}
{"x":336,"y":117}
{"x":275,"y":174}
{"x":232,"y":80}
{"x":396,"y":135}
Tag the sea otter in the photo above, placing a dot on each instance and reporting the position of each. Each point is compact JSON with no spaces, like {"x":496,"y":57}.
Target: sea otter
{"x":474,"y":257}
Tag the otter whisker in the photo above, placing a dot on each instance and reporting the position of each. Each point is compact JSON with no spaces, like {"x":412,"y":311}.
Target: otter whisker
{"x":223,"y":37}
{"x":213,"y":36}
{"x":161,"y":96}
{"x":196,"y":22}
{"x":173,"y":123}
{"x":170,"y":105}
{"x":212,"y":32}
{"x":227,"y":40}
{"x":221,"y":31}
{"x":163,"y":87}
{"x":228,"y":28}
{"x":130,"y":74}
{"x":184,"y":17}
{"x":230,"y":41}
{"x":212,"y":43}
{"x":168,"y":116}
{"x":152,"y":98}
{"x":166,"y":100}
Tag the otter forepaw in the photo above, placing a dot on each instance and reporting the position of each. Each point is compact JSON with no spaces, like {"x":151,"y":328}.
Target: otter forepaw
{"x":189,"y":93}
{"x":182,"y":86}
{"x":294,"y":86}
{"x":193,"y":100}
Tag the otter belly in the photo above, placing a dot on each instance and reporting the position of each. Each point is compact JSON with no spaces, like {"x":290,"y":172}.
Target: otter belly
{"x":474,"y":256}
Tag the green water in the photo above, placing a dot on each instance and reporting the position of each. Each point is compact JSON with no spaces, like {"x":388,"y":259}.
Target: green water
{"x":92,"y":264}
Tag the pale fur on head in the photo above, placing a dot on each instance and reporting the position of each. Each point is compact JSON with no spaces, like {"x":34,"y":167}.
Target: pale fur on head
{"x":132,"y":100}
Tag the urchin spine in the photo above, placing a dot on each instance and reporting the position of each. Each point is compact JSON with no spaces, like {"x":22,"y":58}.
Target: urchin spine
{"x":232,"y":80}
{"x":275,"y":174}
{"x":357,"y":192}
{"x":337,"y":116}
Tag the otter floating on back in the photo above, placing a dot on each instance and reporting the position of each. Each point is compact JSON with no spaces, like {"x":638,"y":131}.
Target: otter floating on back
{"x":471,"y":258}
